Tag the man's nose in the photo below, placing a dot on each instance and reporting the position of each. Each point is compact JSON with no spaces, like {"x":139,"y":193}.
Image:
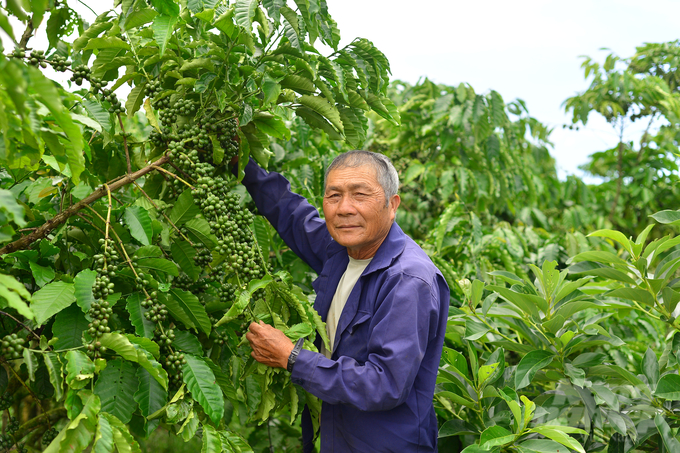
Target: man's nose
{"x":346,"y":206}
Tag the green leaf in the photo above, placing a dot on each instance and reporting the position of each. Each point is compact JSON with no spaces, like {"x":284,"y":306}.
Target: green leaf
{"x":528,"y":303}
{"x":139,"y":223}
{"x":185,"y":341}
{"x":135,"y":99}
{"x":650,"y":367}
{"x":323,"y":108}
{"x":115,"y":386}
{"x":272,"y":125}
{"x":159,"y":265}
{"x":183,"y":253}
{"x":162,"y":27}
{"x":139,"y":18}
{"x":542,"y":445}
{"x":78,"y":434}
{"x":83,"y":288}
{"x":184,"y":209}
{"x":122,"y":346}
{"x":150,"y":396}
{"x":49,"y":96}
{"x":494,"y":436}
{"x":143,"y":327}
{"x":558,"y":434}
{"x":455,"y":427}
{"x":122,"y":438}
{"x":607,"y":395}
{"x":79,"y":369}
{"x":615,"y":236}
{"x":636,"y":294}
{"x":530,"y":365}
{"x":298,"y":84}
{"x":244,"y":13}
{"x":201,"y":383}
{"x":68,"y":328}
{"x":54,"y":370}
{"x":42,"y":275}
{"x":669,"y":440}
{"x":92,"y":32}
{"x":193,"y":308}
{"x":103,"y":438}
{"x":110,"y":42}
{"x":150,"y":115}
{"x":31,"y":363}
{"x":51,"y":299}
{"x":667,"y":217}
{"x":167,"y":7}
{"x":200,"y":228}
{"x":244,"y":298}
{"x":212,"y":441}
{"x":15,"y":293}
{"x":668,"y":387}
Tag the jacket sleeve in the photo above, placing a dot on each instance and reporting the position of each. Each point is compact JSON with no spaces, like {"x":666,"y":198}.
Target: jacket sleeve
{"x":297,"y":222}
{"x":403,"y":325}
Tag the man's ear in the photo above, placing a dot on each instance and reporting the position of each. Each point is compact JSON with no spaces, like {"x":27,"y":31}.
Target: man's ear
{"x":395,"y":201}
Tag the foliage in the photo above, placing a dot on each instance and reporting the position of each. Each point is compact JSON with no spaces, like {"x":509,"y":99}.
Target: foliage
{"x":131,"y":266}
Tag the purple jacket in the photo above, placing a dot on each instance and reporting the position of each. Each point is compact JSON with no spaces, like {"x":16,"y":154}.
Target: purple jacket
{"x":378,"y":386}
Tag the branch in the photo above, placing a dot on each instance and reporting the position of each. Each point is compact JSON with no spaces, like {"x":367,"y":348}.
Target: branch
{"x":60,"y":218}
{"x":28,"y":34}
{"x":22,"y":324}
{"x":51,"y":416}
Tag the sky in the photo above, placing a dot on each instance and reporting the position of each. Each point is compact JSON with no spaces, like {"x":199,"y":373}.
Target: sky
{"x":526,"y":49}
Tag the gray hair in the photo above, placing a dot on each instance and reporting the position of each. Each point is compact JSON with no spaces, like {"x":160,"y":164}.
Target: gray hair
{"x":388,"y":178}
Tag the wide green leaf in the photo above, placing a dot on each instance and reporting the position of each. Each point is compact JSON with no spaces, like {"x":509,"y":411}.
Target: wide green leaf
{"x":79,"y":369}
{"x":77,"y":435}
{"x":212,"y":441}
{"x":669,"y":440}
{"x":51,"y":299}
{"x":183,"y":254}
{"x":150,"y":396}
{"x":201,"y":383}
{"x":16,"y":295}
{"x":116,"y":386}
{"x":163,"y":27}
{"x":54,"y":369}
{"x":200,"y":229}
{"x":494,"y":436}
{"x":83,"y":288}
{"x":159,"y":265}
{"x":68,"y":328}
{"x":530,"y":365}
{"x":558,"y":434}
{"x":193,"y":308}
{"x":668,"y":387}
{"x":123,"y":347}
{"x":143,"y":327}
{"x":184,"y":209}
{"x":139,"y":223}
{"x":323,"y":108}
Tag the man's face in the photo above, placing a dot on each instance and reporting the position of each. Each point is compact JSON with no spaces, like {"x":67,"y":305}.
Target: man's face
{"x":355,"y":210}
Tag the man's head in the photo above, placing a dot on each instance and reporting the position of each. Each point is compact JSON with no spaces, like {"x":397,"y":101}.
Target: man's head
{"x":387,"y":175}
{"x":360,"y":201}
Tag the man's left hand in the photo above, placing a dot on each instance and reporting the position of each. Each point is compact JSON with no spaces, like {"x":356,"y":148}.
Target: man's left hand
{"x":270,"y":346}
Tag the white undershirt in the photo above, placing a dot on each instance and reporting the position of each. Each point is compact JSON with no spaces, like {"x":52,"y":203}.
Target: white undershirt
{"x":354,"y":270}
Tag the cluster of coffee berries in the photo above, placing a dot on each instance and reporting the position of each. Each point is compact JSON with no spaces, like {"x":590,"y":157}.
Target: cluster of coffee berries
{"x":106,"y":265}
{"x":153,"y":88}
{"x":18,"y":53}
{"x":12,"y":347}
{"x":156,"y":311}
{"x":99,"y":311}
{"x":6,"y":401}
{"x":49,"y":435}
{"x":181,"y":107}
{"x":97,"y":84}
{"x":173,"y":365}
{"x":59,"y":63}
{"x":80,"y":73}
{"x":37,"y":58}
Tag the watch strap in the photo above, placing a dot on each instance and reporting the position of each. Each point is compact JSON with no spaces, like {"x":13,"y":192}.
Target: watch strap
{"x":294,"y":354}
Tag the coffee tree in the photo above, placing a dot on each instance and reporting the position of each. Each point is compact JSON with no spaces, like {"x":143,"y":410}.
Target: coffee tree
{"x":131,"y":266}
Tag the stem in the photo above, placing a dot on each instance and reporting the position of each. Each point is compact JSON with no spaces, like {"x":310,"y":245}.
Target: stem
{"x":173,"y":175}
{"x":125,"y":144}
{"x":28,"y":34}
{"x":22,"y":324}
{"x":164,"y":215}
{"x":51,"y":416}
{"x":60,"y":218}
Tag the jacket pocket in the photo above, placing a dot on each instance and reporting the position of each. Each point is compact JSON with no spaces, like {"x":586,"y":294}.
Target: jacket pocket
{"x":361,"y":319}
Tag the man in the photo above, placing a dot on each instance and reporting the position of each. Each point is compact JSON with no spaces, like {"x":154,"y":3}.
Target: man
{"x":384,"y":302}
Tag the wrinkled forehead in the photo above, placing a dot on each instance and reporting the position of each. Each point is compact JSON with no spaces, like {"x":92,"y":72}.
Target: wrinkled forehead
{"x":363,"y":174}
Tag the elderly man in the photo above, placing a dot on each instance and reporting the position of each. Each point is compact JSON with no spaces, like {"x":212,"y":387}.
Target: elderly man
{"x":384,"y":303}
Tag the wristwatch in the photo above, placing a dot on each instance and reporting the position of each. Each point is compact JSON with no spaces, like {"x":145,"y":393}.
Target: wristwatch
{"x":294,"y":354}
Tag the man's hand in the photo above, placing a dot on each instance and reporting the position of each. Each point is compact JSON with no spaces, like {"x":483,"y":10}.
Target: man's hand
{"x":270,"y":346}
